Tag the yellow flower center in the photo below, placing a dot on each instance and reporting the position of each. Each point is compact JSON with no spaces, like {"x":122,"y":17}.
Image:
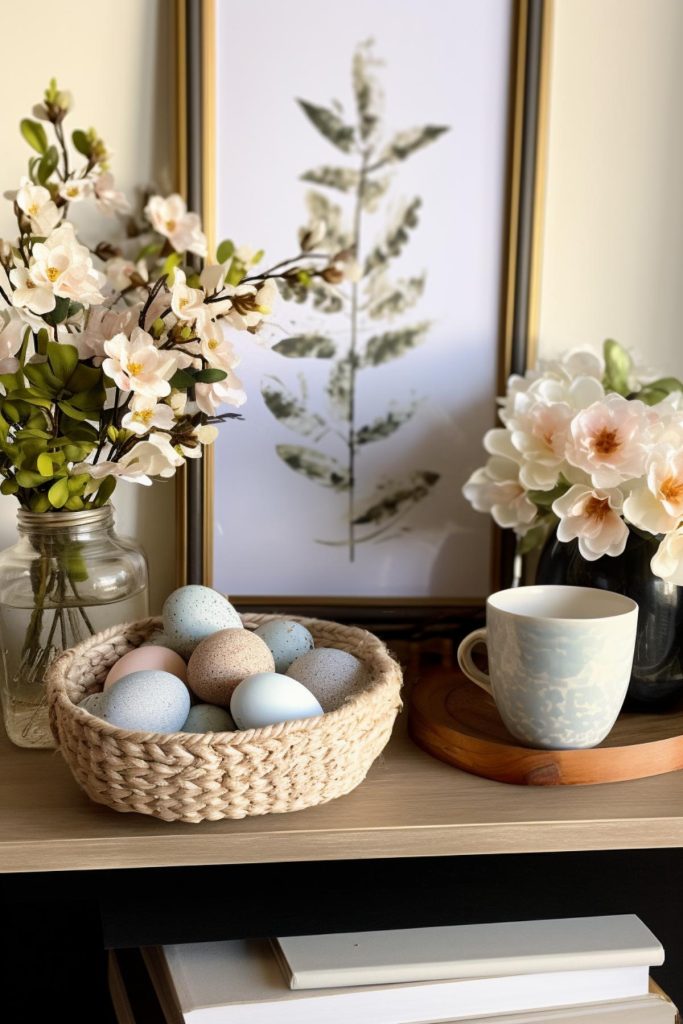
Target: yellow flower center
{"x":72,"y":191}
{"x":606,"y":442}
{"x":134,"y":369}
{"x":143,"y":415}
{"x":52,"y":273}
{"x":671,"y":489}
{"x":212,"y":344}
{"x":33,"y":209}
{"x":170,"y":226}
{"x":182,"y":303}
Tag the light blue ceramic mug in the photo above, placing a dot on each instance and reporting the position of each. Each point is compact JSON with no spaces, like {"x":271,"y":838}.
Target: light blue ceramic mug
{"x":560,"y":661}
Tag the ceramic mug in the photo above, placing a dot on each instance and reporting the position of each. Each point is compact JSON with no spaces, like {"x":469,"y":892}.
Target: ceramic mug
{"x":560,"y":662}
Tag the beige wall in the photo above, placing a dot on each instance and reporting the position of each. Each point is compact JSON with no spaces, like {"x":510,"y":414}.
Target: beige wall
{"x":117,"y":60}
{"x":613,"y":245}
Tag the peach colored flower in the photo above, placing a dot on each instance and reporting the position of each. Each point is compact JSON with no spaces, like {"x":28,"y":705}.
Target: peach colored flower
{"x":610,"y":440}
{"x":495,"y":488}
{"x":593,"y":516}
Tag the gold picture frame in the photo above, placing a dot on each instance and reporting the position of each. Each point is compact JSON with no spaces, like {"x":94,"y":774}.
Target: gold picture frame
{"x":526,"y":148}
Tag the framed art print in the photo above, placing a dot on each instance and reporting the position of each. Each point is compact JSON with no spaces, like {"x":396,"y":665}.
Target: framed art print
{"x":401,"y":141}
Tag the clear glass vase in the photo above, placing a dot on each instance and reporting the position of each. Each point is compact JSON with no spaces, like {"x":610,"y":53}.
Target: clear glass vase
{"x":67,"y":577}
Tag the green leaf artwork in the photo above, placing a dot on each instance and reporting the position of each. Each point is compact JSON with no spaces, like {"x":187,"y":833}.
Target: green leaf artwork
{"x":361,"y":290}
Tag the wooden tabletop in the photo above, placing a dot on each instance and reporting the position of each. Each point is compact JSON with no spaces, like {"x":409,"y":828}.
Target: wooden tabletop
{"x":409,"y":806}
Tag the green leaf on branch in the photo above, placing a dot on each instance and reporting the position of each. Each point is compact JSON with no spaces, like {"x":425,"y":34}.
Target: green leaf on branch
{"x":657,"y":390}
{"x":44,"y":464}
{"x":35,"y":135}
{"x":544,"y":499}
{"x":225,"y":250}
{"x":398,"y":235}
{"x":59,"y":314}
{"x":172,"y":261}
{"x":29,"y":478}
{"x":408,"y":142}
{"x":399,"y":499}
{"x":209,"y":375}
{"x":316,"y":466}
{"x":63,"y":359}
{"x":536,"y":536}
{"x":151,"y":249}
{"x":393,"y":344}
{"x":181,"y":380}
{"x":9,"y":486}
{"x":617,"y":368}
{"x":47,"y":165}
{"x":58,"y":494}
{"x":81,"y":142}
{"x":316,"y":346}
{"x":291,"y":411}
{"x":330,"y":125}
{"x":344,"y":179}
{"x":385,"y":426}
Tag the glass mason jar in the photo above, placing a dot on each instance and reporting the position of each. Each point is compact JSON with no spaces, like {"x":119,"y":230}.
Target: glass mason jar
{"x":67,"y":577}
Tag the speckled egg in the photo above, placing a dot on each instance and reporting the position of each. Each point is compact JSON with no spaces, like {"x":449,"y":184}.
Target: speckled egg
{"x":152,"y":701}
{"x":144,"y":659}
{"x":222,"y":660}
{"x":268,"y":697}
{"x":92,"y":703}
{"x":192,"y":613}
{"x":208,"y":718}
{"x":331,"y":675}
{"x":287,"y":641}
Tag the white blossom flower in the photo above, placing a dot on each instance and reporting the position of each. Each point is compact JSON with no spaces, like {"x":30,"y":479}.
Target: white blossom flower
{"x":225,"y":392}
{"x":610,"y":440}
{"x":120,"y":271}
{"x":244,"y":312}
{"x":177,"y":401}
{"x":667,"y":562}
{"x":136,"y":364}
{"x":29,"y":295}
{"x":75,"y":190}
{"x":102,"y":325}
{"x":186,"y":302}
{"x":592,"y":515}
{"x":153,"y":456}
{"x":107,"y":198}
{"x":64,"y":265}
{"x":212,"y":277}
{"x":12,"y":332}
{"x":495,"y":488}
{"x":146,"y":413}
{"x":36,"y":202}
{"x":655,"y":503}
{"x":170,"y":218}
{"x":213,"y":344}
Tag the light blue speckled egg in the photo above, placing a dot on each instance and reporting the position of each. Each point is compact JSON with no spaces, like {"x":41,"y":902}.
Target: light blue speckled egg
{"x":287,"y":641}
{"x":268,"y":697}
{"x":147,"y":701}
{"x":192,"y":613}
{"x":330,"y":674}
{"x":208,"y":718}
{"x":92,"y":703}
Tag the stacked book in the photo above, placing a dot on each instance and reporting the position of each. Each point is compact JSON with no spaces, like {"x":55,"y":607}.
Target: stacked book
{"x":566,"y":971}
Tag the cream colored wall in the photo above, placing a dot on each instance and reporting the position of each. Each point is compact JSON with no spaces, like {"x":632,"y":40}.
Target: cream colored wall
{"x":613,"y":239}
{"x":117,"y":59}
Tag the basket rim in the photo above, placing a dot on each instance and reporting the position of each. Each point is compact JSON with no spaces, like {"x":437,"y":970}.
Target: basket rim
{"x":386,"y":676}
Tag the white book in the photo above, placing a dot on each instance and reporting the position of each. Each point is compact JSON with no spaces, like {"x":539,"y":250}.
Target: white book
{"x":467,"y":951}
{"x":650,"y":1009}
{"x":240,"y":982}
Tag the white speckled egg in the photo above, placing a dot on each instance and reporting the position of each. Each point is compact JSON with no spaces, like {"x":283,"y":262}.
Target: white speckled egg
{"x":144,"y":659}
{"x":287,"y":641}
{"x":152,"y":701}
{"x":92,"y":703}
{"x":192,"y":613}
{"x":268,"y":697}
{"x":208,"y":718}
{"x":331,"y":675}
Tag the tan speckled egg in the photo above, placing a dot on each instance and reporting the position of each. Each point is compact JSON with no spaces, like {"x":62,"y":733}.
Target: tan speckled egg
{"x":223,"y":660}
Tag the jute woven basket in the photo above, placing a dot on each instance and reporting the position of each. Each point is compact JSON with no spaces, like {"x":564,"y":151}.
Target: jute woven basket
{"x":207,"y":776}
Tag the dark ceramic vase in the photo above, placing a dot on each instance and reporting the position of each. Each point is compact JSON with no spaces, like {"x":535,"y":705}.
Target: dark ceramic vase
{"x":657,"y":666}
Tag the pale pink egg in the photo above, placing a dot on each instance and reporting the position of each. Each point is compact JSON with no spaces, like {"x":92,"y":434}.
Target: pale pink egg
{"x":143,"y":658}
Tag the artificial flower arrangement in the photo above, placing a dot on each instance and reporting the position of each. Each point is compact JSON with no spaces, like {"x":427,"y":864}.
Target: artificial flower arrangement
{"x":116,"y":359}
{"x":594,"y":448}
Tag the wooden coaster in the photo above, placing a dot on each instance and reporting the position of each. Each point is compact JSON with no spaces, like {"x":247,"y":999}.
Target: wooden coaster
{"x":457,"y":722}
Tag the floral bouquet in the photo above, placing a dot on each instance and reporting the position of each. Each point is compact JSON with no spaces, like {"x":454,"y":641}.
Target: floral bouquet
{"x":594,"y":448}
{"x":116,"y":360}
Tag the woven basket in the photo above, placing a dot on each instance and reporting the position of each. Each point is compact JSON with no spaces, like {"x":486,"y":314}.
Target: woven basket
{"x":207,"y":776}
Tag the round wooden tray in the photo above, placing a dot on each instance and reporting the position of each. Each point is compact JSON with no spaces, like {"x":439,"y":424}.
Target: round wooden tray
{"x":457,"y":722}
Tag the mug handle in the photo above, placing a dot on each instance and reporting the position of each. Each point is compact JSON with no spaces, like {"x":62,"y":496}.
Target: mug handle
{"x":467,"y":665}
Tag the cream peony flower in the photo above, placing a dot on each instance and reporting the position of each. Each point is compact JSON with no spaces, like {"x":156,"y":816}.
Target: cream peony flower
{"x":655,"y":503}
{"x":64,"y":265}
{"x":495,"y":488}
{"x":170,"y":218}
{"x":594,"y":517}
{"x":107,"y":198}
{"x":667,"y":562}
{"x":186,"y":302}
{"x":36,"y":202}
{"x":610,"y":440}
{"x":136,"y":364}
{"x":226,"y":392}
{"x":146,"y":413}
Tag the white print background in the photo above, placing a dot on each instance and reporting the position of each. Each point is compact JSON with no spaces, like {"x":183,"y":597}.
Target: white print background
{"x":445,"y":62}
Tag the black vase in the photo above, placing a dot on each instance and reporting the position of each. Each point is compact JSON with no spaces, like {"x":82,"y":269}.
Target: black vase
{"x":657,"y":666}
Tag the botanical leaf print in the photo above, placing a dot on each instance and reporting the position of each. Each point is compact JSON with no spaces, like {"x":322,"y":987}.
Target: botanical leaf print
{"x":291,"y":411}
{"x":385,"y":426}
{"x":330,"y":125}
{"x":392,"y":344}
{"x":315,"y":465}
{"x":406,"y":143}
{"x":403,"y":496}
{"x":345,"y":179}
{"x":396,"y":237}
{"x":317,"y":346}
